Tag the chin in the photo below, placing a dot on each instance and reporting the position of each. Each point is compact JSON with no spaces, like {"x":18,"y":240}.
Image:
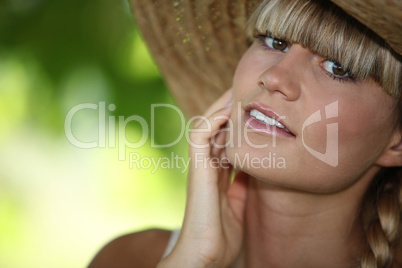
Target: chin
{"x":275,"y":171}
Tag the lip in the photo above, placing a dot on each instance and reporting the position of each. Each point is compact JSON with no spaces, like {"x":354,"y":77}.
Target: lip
{"x":263,"y":128}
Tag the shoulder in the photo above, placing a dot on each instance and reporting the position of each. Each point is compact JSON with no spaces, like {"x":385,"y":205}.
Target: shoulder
{"x":142,"y":249}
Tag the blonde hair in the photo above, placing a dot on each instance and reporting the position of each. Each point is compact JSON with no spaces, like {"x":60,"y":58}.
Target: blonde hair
{"x":382,"y":218}
{"x":328,"y":31}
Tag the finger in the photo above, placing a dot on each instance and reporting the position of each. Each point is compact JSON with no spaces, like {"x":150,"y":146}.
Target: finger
{"x":225,"y":178}
{"x":225,"y":100}
{"x":202,"y":133}
{"x":218,"y":141}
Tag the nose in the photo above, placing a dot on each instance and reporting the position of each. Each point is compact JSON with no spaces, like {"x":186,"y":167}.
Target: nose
{"x":285,"y":76}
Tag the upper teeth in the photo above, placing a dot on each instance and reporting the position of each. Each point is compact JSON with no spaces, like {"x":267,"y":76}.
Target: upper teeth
{"x":265,"y":119}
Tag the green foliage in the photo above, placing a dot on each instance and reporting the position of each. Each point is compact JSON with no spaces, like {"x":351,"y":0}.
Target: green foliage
{"x":60,"y":204}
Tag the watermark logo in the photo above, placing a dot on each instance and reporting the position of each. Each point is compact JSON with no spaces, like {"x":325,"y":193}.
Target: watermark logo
{"x":330,"y":156}
{"x":111,"y":126}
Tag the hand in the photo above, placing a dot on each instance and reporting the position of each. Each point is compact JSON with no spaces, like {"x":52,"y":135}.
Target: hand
{"x":212,"y":230}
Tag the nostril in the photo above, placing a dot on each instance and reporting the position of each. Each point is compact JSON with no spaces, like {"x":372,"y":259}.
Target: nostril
{"x":261,"y":84}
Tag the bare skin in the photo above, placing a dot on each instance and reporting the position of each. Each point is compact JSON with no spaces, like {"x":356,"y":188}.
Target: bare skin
{"x":143,"y":249}
{"x":309,"y":214}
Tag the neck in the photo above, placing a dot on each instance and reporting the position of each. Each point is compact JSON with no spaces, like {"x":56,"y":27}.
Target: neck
{"x":288,"y":228}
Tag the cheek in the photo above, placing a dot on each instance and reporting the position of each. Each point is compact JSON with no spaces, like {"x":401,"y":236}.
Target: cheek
{"x":316,"y":136}
{"x":364,"y":133}
{"x":248,"y":72}
{"x":365,"y":124}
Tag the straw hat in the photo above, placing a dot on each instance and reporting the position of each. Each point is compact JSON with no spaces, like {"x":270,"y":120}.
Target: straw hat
{"x":197,"y":43}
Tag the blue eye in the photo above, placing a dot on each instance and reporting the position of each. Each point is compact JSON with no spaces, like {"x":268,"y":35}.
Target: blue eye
{"x":276,"y":44}
{"x":335,"y":68}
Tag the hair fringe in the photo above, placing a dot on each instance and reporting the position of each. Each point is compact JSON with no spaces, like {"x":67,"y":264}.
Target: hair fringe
{"x":328,"y":31}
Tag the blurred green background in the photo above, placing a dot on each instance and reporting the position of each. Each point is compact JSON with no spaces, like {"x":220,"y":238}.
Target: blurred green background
{"x":59,"y":203}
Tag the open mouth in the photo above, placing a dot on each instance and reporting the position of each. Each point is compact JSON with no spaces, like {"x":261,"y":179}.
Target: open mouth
{"x":263,"y":120}
{"x":266,"y":119}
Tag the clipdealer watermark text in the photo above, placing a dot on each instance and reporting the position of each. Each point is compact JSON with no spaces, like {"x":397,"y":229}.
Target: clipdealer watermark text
{"x":175,"y":161}
{"x":109,"y":128}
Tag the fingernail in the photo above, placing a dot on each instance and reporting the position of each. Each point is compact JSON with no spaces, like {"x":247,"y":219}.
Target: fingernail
{"x":229,"y":104}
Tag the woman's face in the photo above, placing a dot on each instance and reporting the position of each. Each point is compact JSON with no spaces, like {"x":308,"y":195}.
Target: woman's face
{"x":329,"y":129}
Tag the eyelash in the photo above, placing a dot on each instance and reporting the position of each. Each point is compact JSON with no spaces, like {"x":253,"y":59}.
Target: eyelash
{"x":343,"y":79}
{"x":261,"y":40}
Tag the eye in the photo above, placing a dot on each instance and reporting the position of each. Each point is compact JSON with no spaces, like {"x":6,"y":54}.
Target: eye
{"x":335,"y":68}
{"x":276,"y":44}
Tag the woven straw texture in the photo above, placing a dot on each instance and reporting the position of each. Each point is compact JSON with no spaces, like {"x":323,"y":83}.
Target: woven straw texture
{"x":384,"y":17}
{"x":197,"y":43}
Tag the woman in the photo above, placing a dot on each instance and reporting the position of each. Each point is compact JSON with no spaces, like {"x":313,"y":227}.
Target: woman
{"x":318,"y":92}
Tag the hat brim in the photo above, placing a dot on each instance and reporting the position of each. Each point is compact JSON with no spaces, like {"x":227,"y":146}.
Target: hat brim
{"x":197,"y":44}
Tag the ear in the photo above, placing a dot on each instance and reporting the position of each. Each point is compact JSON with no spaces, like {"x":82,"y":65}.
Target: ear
{"x":392,"y":155}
